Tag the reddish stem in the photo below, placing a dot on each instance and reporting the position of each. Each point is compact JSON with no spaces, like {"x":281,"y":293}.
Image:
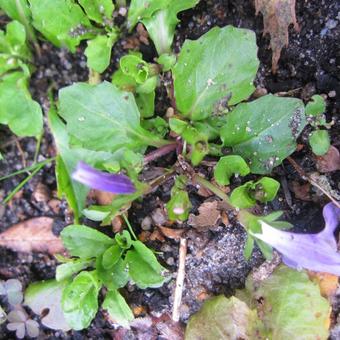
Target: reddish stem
{"x":160,"y":152}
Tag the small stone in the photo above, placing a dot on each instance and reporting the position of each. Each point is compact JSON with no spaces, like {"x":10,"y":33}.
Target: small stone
{"x":122,"y":11}
{"x":41,"y":193}
{"x":146,"y":223}
{"x":332,"y":94}
{"x":170,"y":261}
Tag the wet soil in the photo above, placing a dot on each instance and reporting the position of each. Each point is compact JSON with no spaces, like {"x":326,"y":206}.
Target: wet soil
{"x":215,"y":262}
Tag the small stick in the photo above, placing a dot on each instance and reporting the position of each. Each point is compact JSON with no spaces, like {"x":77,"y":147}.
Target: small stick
{"x":21,"y":152}
{"x":311,"y":181}
{"x":160,"y":152}
{"x":180,"y":280}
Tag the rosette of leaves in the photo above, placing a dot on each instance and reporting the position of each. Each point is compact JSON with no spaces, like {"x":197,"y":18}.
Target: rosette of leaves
{"x":67,"y":22}
{"x":18,"y":110}
{"x":139,"y":77}
{"x":97,"y":261}
{"x":212,"y":76}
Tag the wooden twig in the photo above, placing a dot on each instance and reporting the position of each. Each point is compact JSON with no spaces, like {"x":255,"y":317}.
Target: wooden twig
{"x":308,"y":178}
{"x":180,"y":280}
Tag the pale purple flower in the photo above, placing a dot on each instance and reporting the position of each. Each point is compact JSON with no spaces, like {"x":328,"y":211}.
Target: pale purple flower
{"x":100,"y":180}
{"x":316,"y":252}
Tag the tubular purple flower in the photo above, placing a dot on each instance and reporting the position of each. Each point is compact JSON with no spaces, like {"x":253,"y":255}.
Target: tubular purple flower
{"x":100,"y":180}
{"x":317,"y":252}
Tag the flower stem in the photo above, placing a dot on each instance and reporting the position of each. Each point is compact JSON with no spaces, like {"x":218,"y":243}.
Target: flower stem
{"x":129,"y":226}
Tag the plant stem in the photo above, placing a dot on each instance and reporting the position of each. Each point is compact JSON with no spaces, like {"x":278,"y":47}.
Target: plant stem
{"x":129,"y":226}
{"x":160,"y":152}
{"x":37,"y":148}
{"x":94,"y":77}
{"x":218,"y":192}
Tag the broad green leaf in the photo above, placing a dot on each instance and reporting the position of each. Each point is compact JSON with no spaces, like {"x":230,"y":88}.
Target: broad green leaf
{"x":241,"y":198}
{"x":124,"y":239}
{"x":316,"y":106}
{"x":18,"y":110}
{"x":67,"y":161}
{"x":167,"y":61}
{"x":61,"y":21}
{"x":161,"y":25}
{"x":98,"y":52}
{"x":157,"y":126}
{"x":80,"y":300}
{"x":114,"y":277}
{"x":118,"y":309}
{"x":66,"y":270}
{"x":320,"y":142}
{"x":85,"y":242}
{"x":134,"y":66}
{"x":46,"y":295}
{"x":264,"y":131}
{"x":215,"y":70}
{"x":101,"y":117}
{"x":146,"y":104}
{"x":291,"y":305}
{"x":99,"y":11}
{"x":228,"y":166}
{"x":144,"y":268}
{"x":143,"y":9}
{"x":111,"y":256}
{"x":223,"y":318}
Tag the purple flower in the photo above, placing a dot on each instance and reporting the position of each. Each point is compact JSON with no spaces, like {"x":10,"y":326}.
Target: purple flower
{"x":115,"y":183}
{"x":317,"y":252}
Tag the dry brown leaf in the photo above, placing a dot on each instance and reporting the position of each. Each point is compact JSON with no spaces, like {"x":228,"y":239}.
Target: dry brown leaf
{"x":208,"y":216}
{"x":330,"y":161}
{"x":301,"y":192}
{"x":277,"y":16}
{"x":34,"y":235}
{"x":172,"y":233}
{"x":328,"y":283}
{"x":102,"y":197}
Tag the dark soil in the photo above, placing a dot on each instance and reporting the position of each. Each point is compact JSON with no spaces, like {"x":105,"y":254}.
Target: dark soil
{"x":215,"y":262}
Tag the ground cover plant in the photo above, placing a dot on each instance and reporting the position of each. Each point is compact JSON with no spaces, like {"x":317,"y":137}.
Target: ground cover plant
{"x":189,"y":132}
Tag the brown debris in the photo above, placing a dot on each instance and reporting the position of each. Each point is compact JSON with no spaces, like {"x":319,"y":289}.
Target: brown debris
{"x":301,"y":191}
{"x":330,"y":161}
{"x":277,"y":16}
{"x":34,"y":235}
{"x":102,"y":197}
{"x":328,"y":283}
{"x":172,"y":233}
{"x":41,"y":193}
{"x":208,"y":217}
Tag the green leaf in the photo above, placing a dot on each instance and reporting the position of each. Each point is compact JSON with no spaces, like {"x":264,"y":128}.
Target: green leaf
{"x":216,"y":69}
{"x":61,"y":21}
{"x":124,"y":239}
{"x":85,"y":242}
{"x":115,"y":277}
{"x":249,"y":246}
{"x":135,"y":67}
{"x":223,"y":318}
{"x":146,"y":104}
{"x":18,"y":110}
{"x":103,"y":118}
{"x":316,"y":106}
{"x":98,"y":52}
{"x":264,"y":131}
{"x":291,"y":305}
{"x":167,"y":61}
{"x":66,"y":270}
{"x":118,"y":309}
{"x":111,"y":256}
{"x":16,"y":9}
{"x":80,"y":300}
{"x":161,"y":25}
{"x":320,"y":142}
{"x":144,"y":268}
{"x":240,"y":197}
{"x":265,"y":189}
{"x":143,"y":9}
{"x":228,"y":166}
{"x":46,"y":295}
{"x":99,"y":11}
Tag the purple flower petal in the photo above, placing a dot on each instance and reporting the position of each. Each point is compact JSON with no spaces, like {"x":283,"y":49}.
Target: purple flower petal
{"x":317,"y":252}
{"x":96,"y":179}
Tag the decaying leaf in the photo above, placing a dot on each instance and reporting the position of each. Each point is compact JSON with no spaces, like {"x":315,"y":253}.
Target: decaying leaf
{"x":301,"y":191}
{"x":277,"y":16}
{"x":330,"y":161}
{"x":209,"y":216}
{"x":328,"y":283}
{"x":34,"y":235}
{"x":172,"y":233}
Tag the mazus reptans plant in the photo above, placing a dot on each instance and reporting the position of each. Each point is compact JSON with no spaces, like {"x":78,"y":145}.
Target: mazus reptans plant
{"x":317,"y":252}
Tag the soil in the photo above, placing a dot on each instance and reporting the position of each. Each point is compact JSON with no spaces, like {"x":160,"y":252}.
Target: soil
{"x":215,"y":262}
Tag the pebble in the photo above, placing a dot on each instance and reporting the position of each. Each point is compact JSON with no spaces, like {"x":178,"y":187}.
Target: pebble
{"x":170,"y":261}
{"x":146,"y":223}
{"x":331,"y":94}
